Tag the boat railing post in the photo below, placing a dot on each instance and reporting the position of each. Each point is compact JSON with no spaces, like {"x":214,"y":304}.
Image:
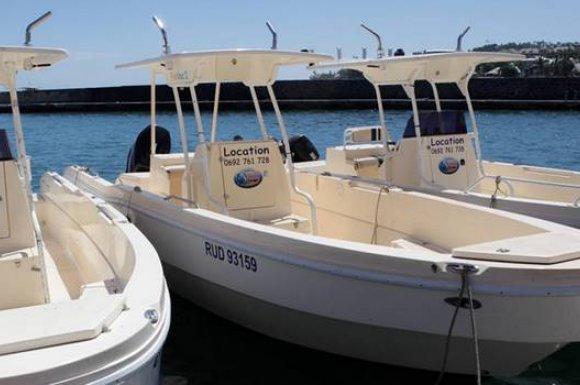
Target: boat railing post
{"x":215,"y":111}
{"x":201,"y":140}
{"x":153,"y":115}
{"x":289,"y":163}
{"x":258,"y":112}
{"x":463,"y":87}
{"x":24,"y":169}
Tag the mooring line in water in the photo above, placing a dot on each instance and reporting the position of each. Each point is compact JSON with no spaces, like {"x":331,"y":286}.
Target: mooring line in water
{"x":465,"y":271}
{"x":473,"y":327}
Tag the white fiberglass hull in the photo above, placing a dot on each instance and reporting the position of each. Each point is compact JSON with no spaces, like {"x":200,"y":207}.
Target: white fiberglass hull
{"x":333,"y":297}
{"x":55,"y":342}
{"x":130,"y":364}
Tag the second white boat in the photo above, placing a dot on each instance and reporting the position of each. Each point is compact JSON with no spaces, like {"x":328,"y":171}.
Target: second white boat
{"x":337,"y":263}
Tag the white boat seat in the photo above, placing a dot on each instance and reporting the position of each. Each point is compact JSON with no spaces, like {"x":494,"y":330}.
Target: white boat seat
{"x":36,"y":327}
{"x":167,"y":174}
{"x":291,"y":222}
{"x":365,"y":134}
{"x":359,"y":151}
{"x":407,"y":244}
{"x":541,"y":248}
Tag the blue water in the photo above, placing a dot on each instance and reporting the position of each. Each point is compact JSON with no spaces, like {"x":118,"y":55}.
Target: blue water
{"x":200,"y":345}
{"x":102,"y":140}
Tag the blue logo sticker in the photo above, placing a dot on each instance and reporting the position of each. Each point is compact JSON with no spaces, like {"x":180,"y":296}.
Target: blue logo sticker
{"x":248,"y":178}
{"x":449,"y":166}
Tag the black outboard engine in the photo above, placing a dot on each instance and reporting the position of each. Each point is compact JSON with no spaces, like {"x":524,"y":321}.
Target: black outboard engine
{"x":138,"y":158}
{"x":302,"y":149}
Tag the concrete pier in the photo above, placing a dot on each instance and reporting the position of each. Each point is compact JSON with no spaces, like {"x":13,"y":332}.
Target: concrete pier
{"x":556,"y":93}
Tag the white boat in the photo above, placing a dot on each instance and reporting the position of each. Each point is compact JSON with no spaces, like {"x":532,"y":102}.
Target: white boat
{"x":335,"y":263}
{"x":437,"y":154}
{"x":82,"y":293}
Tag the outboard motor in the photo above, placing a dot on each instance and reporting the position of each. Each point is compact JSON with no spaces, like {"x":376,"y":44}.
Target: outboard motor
{"x":302,"y":149}
{"x":139,"y":154}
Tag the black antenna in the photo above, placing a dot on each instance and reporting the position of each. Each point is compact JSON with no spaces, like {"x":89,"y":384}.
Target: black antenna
{"x":159,"y":24}
{"x":380,"y":51}
{"x":33,"y":25}
{"x":460,"y":38}
{"x":274,"y":36}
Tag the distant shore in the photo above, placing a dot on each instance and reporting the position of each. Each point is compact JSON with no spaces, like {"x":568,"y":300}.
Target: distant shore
{"x":550,"y":93}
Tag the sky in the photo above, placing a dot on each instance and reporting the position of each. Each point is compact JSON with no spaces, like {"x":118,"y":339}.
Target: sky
{"x":99,"y":34}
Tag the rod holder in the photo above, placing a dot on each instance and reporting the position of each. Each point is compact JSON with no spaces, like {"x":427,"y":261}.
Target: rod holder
{"x":159,"y":24}
{"x":33,"y":25}
{"x":460,"y":38}
{"x":274,"y":35}
{"x":380,"y":50}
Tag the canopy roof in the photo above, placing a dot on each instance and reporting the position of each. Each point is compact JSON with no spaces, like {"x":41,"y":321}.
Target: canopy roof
{"x":447,"y":67}
{"x":19,"y":58}
{"x":254,"y":67}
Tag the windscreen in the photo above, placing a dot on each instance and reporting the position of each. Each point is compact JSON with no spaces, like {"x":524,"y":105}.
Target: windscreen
{"x":435,"y":123}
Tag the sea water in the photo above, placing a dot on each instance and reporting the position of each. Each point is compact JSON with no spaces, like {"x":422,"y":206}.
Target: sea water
{"x":207,"y":349}
{"x":102,"y":140}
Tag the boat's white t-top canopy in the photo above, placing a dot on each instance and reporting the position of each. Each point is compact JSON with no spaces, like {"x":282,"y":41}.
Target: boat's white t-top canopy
{"x":21,"y":58}
{"x":447,"y":67}
{"x":253,"y":67}
{"x":436,"y":68}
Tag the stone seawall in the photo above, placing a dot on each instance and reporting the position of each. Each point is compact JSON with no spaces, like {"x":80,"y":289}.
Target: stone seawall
{"x":487,"y":93}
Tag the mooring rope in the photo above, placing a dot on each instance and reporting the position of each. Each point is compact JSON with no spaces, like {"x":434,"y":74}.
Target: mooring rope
{"x":450,"y":331}
{"x":473,"y":327}
{"x":376,"y":222}
{"x":464,"y":270}
{"x":493,"y":200}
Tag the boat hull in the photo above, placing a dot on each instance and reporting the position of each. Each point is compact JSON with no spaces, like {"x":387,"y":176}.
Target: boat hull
{"x":371,"y":343}
{"x":90,"y":333}
{"x":322,"y":307}
{"x":339,"y":297}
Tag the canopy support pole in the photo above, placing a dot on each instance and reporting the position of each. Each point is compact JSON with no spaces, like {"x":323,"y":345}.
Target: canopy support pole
{"x":215,"y":111}
{"x":436,"y":96}
{"x":25,"y":171}
{"x":410,"y":90}
{"x":382,"y":122}
{"x":184,"y":146}
{"x":386,"y":135}
{"x":153,"y":149}
{"x":203,"y":155}
{"x":197,"y":112}
{"x":463,"y":87}
{"x":258,"y":112}
{"x":289,"y":163}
